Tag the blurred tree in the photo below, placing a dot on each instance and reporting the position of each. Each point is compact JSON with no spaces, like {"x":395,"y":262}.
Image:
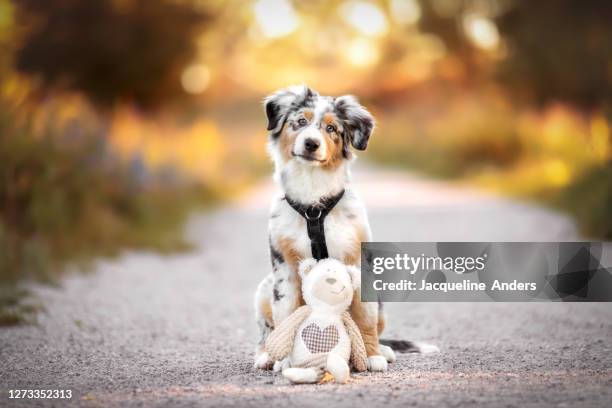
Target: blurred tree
{"x":109,"y":49}
{"x":555,"y":50}
{"x":6,"y":28}
{"x":445,"y":18}
{"x":559,"y":50}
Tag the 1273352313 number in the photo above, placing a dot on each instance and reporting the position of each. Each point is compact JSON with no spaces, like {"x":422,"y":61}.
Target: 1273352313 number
{"x":39,"y":394}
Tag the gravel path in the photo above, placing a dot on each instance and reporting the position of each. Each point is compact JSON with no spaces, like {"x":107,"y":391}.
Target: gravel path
{"x":151,"y":330}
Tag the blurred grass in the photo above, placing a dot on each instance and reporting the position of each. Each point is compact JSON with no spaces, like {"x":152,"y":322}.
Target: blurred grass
{"x":65,"y":199}
{"x":589,"y":199}
{"x":13,"y":309}
{"x":553,"y":155}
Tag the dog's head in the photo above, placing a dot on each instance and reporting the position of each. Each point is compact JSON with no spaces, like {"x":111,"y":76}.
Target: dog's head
{"x":315,"y":130}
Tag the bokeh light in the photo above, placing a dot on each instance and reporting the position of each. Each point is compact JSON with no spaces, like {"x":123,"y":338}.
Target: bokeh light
{"x":405,"y":11}
{"x":362,"y":52}
{"x":481,"y":31}
{"x":365,"y":17}
{"x":275,"y":18}
{"x":195,"y":78}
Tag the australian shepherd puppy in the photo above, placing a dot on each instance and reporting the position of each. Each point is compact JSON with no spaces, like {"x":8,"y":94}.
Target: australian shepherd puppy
{"x":310,"y":140}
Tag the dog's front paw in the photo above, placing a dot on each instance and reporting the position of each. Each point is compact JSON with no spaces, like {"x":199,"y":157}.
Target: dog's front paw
{"x":388,"y":353}
{"x":377,"y":363}
{"x":263,"y":361}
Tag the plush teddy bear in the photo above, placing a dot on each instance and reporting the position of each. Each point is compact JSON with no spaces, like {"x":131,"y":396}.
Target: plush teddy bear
{"x":320,"y":336}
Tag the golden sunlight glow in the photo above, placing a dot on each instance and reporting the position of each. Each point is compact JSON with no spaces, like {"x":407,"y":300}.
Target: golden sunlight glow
{"x":600,"y":138}
{"x":195,"y":78}
{"x":405,"y":11}
{"x":557,"y":172}
{"x":367,"y":18}
{"x":446,"y":8}
{"x":361,"y":52}
{"x":196,"y":149}
{"x":481,"y":31}
{"x":275,"y":18}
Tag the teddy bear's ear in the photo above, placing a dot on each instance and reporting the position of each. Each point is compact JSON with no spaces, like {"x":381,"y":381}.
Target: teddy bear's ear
{"x":355,"y":274}
{"x":306,"y":266}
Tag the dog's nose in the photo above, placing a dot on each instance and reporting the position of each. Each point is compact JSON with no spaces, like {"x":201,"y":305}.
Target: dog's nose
{"x":331,"y":281}
{"x":311,"y":145}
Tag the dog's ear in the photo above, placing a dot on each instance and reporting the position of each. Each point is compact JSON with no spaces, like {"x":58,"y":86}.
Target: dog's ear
{"x":279,"y":104}
{"x":306,"y":266}
{"x":358,"y":123}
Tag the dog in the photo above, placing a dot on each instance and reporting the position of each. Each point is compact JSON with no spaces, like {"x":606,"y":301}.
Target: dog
{"x":310,"y":142}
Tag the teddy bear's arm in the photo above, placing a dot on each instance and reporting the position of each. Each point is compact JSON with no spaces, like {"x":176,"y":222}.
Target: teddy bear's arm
{"x":359,"y":357}
{"x":280,"y":341}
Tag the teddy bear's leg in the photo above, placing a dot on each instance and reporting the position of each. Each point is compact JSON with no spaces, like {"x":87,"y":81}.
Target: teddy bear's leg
{"x":338,"y":367}
{"x":303,"y":375}
{"x":263,"y":316}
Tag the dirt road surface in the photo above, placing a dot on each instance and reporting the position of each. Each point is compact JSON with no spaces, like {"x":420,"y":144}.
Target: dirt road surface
{"x":178,"y":330}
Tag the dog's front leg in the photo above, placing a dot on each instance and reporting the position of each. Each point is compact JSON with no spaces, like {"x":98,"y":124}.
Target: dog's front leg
{"x":365,"y":315}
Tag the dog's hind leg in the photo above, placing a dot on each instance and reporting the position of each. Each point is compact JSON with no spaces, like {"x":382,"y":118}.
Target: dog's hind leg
{"x":265,"y":322}
{"x":286,"y":293}
{"x":277,"y":296}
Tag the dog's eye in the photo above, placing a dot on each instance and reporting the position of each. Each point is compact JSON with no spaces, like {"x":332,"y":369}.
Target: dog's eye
{"x":330,"y":128}
{"x":302,"y":122}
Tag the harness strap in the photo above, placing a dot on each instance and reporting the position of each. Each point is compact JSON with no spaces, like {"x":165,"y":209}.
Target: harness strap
{"x":315,"y":216}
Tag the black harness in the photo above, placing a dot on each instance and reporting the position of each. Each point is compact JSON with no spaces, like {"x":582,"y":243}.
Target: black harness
{"x":315,"y":216}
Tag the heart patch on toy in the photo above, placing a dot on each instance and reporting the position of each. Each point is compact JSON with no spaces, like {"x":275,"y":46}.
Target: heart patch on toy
{"x":320,"y":341}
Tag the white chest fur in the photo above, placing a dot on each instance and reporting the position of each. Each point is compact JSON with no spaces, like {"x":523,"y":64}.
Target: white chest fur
{"x":345,"y":226}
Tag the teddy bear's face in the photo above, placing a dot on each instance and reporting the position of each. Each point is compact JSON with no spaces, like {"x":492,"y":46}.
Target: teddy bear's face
{"x":328,"y":282}
{"x":330,"y":287}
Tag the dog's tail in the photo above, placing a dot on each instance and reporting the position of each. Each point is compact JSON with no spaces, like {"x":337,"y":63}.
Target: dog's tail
{"x":405,"y":346}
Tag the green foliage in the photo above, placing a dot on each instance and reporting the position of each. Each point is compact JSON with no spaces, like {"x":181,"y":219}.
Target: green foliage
{"x":462,"y":136}
{"x":589,"y":199}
